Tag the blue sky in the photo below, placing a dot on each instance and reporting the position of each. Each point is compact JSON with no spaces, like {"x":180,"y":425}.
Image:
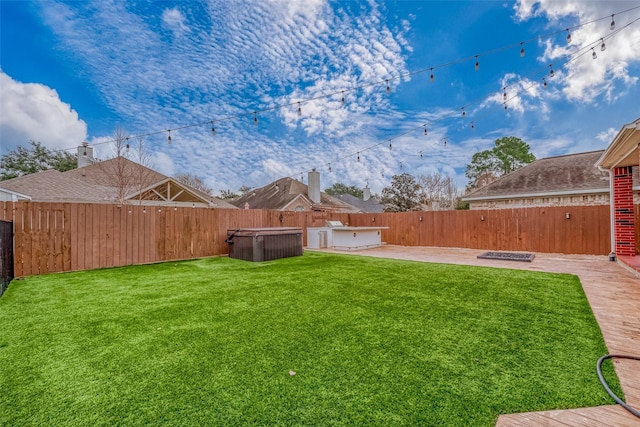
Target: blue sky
{"x":75,"y":71}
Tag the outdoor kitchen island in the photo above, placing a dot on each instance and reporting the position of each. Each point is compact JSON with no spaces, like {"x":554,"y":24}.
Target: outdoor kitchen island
{"x":335,"y":235}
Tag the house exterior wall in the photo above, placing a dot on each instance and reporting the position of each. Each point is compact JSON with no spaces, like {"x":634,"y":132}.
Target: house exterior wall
{"x":623,"y":211}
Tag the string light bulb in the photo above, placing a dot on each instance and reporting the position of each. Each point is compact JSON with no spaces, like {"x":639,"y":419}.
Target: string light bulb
{"x":342,"y":97}
{"x":521,"y":49}
{"x":255,"y":118}
{"x":505,"y":106}
{"x":127,"y":145}
{"x":568,"y":36}
{"x":473,"y":126}
{"x":358,"y":156}
{"x":544,"y":82}
{"x":603,"y":47}
{"x":477,"y":66}
{"x":169,"y":137}
{"x":420,"y":157}
{"x":425,"y":130}
{"x":213,"y":129}
{"x":551,"y":72}
{"x":464,"y":113}
{"x":613,"y":24}
{"x":594,"y":55}
{"x":431,"y":76}
{"x":390,"y":147}
{"x":504,"y":93}
{"x":445,"y":141}
{"x":388,"y":87}
{"x":329,"y":167}
{"x":299,"y":110}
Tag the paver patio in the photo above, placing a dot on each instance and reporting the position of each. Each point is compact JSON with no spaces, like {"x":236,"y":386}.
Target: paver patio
{"x":614,"y":295}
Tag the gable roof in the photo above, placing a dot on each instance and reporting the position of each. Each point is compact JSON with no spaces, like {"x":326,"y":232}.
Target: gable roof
{"x":287,"y":194}
{"x":623,"y":150}
{"x":568,"y":174}
{"x":100,"y":183}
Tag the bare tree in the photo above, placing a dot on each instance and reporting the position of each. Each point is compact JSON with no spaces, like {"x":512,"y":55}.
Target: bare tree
{"x":194,"y":181}
{"x":127,"y":171}
{"x":438,"y":192}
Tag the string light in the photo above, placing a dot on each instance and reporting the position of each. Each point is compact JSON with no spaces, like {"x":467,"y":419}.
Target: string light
{"x":420,"y":157}
{"x":213,"y":129}
{"x":504,"y":93}
{"x":464,"y":113}
{"x":127,"y":146}
{"x":473,"y":126}
{"x":388,"y":87}
{"x":477,"y":67}
{"x":445,"y":141}
{"x":299,"y":110}
{"x":613,"y":24}
{"x":544,"y":82}
{"x":594,"y":55}
{"x":390,"y":147}
{"x":602,"y":46}
{"x":329,"y":167}
{"x":431,"y":76}
{"x":425,"y":130}
{"x":568,"y":36}
{"x":169,"y":137}
{"x":255,"y":118}
{"x":551,"y":73}
{"x":521,"y":49}
{"x":358,"y":156}
{"x":342,"y":97}
{"x":505,"y":106}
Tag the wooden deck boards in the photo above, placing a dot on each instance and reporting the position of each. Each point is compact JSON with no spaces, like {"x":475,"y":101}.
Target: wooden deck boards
{"x":613,"y":292}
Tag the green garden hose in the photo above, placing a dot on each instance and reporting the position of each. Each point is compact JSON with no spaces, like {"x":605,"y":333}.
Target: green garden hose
{"x":606,"y":386}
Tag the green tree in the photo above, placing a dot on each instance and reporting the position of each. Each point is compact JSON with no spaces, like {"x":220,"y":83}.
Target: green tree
{"x":508,"y":154}
{"x":402,"y":195}
{"x":36,"y":158}
{"x":339,"y":189}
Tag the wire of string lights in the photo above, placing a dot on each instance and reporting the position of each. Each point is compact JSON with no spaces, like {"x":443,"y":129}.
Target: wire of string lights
{"x":570,"y":57}
{"x":386,"y":82}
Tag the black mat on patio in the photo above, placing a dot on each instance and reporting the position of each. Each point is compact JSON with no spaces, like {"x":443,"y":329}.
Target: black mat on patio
{"x":507,"y":256}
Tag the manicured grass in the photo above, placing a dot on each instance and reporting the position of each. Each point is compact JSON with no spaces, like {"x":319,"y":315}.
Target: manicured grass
{"x":371,"y":341}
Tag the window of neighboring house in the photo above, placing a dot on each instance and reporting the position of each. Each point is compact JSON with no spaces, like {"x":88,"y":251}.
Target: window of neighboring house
{"x":299,"y":208}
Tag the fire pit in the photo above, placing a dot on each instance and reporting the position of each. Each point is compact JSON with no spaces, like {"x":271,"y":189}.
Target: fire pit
{"x":508,"y":256}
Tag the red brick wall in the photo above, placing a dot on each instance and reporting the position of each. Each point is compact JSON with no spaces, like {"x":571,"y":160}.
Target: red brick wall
{"x":623,"y":211}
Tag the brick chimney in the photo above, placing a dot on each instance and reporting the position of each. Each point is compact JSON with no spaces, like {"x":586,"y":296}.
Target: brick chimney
{"x":85,"y":155}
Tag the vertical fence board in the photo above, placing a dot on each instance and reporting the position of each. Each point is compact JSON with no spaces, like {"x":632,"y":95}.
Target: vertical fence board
{"x":51,"y":237}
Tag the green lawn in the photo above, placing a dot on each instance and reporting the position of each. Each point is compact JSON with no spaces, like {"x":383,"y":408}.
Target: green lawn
{"x":371,"y":341}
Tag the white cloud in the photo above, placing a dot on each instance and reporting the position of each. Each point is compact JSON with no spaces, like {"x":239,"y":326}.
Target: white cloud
{"x":175,"y":21}
{"x":585,"y":79}
{"x":607,"y":136}
{"x":33,"y":111}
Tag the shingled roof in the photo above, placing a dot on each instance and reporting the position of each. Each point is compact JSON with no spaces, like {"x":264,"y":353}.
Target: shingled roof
{"x":371,"y":205}
{"x":95,"y":184}
{"x":287,"y":194}
{"x":560,"y":175}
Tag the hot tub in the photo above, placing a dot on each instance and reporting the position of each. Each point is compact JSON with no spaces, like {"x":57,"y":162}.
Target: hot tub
{"x":264,"y":244}
{"x":341,"y":237}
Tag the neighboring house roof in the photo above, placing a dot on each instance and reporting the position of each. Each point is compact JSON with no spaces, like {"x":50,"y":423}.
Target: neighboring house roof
{"x":551,"y":176}
{"x":372,"y":205}
{"x":287,"y":194}
{"x":102,"y":182}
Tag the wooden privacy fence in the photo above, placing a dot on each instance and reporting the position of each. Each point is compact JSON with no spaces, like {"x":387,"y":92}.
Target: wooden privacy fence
{"x":53,"y":237}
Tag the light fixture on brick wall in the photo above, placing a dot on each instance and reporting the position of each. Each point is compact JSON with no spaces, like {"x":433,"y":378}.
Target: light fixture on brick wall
{"x":567,"y":215}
